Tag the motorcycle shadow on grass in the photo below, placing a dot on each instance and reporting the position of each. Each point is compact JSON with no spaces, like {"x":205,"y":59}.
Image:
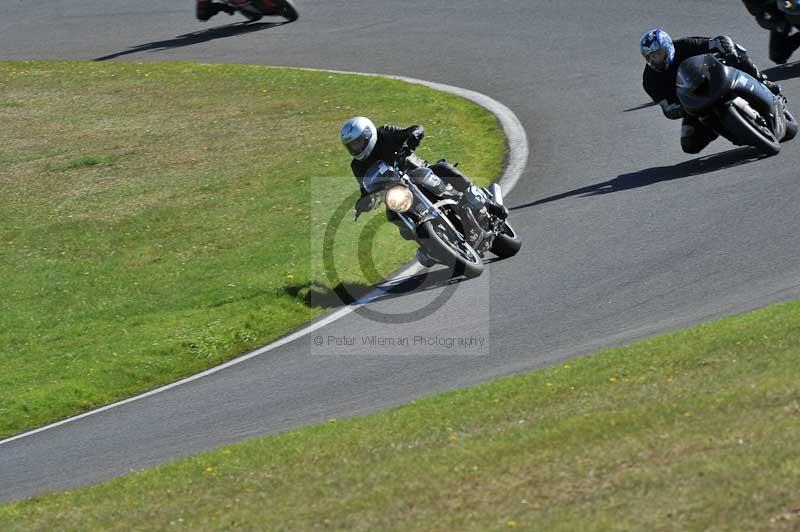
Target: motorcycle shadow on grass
{"x":316,"y":295}
{"x":197,"y":37}
{"x":658,"y":174}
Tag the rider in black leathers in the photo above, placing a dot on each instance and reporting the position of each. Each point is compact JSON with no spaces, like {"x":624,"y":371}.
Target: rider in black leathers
{"x":391,"y":140}
{"x":368,"y":145}
{"x":659,"y":82}
{"x":781,"y":44}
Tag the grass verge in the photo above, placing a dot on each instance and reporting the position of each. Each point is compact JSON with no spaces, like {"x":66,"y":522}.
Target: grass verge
{"x":155,"y":218}
{"x":695,"y":430}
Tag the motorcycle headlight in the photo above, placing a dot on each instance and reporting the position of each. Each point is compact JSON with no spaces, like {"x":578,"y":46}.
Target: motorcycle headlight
{"x":399,"y":199}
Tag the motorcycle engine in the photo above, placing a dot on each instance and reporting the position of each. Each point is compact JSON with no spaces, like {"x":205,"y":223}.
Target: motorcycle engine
{"x":474,"y":198}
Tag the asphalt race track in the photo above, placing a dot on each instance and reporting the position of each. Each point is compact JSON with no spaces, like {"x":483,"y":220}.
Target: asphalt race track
{"x":626,"y":236}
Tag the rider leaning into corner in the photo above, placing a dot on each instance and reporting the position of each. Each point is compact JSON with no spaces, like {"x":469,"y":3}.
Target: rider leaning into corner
{"x":775,"y":18}
{"x":663,"y":56}
{"x":368,"y":144}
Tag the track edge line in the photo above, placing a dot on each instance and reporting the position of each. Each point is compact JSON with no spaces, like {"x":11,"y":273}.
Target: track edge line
{"x":516,"y":161}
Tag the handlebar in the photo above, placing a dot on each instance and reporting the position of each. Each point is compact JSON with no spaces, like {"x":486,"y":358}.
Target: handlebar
{"x":401,"y":157}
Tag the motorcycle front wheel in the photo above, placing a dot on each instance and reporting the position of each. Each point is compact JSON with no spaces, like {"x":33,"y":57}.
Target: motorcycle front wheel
{"x":748,"y":131}
{"x":450,"y":248}
{"x":507,"y":243}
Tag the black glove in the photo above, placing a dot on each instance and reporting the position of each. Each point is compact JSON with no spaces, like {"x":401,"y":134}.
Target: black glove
{"x":727,"y":49}
{"x":415,"y":136}
{"x":364,"y":204}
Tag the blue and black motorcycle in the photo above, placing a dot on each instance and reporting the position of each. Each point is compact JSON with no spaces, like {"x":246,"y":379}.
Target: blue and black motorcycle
{"x":734,"y":104}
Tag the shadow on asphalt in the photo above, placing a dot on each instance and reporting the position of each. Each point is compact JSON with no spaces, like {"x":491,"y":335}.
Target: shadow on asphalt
{"x":784,"y":72}
{"x":197,"y":37}
{"x":316,"y":295}
{"x":642,"y":106}
{"x":657,"y":174}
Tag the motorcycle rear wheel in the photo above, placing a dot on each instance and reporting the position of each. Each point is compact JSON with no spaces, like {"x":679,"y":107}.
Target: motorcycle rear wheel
{"x":791,"y":127}
{"x":507,"y":243}
{"x":749,"y":132}
{"x":449,"y":248}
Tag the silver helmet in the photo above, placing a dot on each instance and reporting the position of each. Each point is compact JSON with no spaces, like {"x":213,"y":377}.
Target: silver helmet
{"x":359,"y":136}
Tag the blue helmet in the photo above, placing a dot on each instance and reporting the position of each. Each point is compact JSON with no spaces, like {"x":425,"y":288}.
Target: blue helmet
{"x":657,"y":49}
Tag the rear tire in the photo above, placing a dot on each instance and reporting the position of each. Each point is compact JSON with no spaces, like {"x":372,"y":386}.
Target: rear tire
{"x":749,"y":133}
{"x":449,"y":248}
{"x":507,"y":243}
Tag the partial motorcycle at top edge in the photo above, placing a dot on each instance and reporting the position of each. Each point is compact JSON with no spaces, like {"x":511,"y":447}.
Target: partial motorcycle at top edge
{"x":254,"y":10}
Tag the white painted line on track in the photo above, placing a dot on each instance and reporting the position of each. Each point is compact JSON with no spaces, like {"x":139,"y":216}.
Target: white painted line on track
{"x":517,"y":158}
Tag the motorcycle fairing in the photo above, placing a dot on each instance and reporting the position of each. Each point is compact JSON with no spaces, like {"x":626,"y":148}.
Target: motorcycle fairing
{"x":379,"y":176}
{"x":756,"y":94}
{"x":702,"y":81}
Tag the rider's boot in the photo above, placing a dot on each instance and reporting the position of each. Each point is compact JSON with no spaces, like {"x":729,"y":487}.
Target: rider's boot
{"x":782,"y":45}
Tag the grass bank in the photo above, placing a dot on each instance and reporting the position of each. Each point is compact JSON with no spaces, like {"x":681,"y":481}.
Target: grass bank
{"x":155,"y":218}
{"x":696,"y":430}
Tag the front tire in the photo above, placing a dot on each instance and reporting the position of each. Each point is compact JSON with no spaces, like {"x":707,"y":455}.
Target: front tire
{"x":450,"y":248}
{"x":749,"y":132}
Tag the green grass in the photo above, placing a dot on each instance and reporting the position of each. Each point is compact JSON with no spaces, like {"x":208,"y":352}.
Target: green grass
{"x":695,"y":430}
{"x":87,"y":160}
{"x":155,"y":218}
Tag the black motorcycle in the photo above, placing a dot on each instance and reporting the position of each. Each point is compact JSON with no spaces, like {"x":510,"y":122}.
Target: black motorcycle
{"x":734,"y":104}
{"x":452,"y":228}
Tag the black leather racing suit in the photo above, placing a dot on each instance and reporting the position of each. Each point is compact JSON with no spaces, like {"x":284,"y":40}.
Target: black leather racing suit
{"x":390,"y":141}
{"x":781,"y":44}
{"x":660,"y":86}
